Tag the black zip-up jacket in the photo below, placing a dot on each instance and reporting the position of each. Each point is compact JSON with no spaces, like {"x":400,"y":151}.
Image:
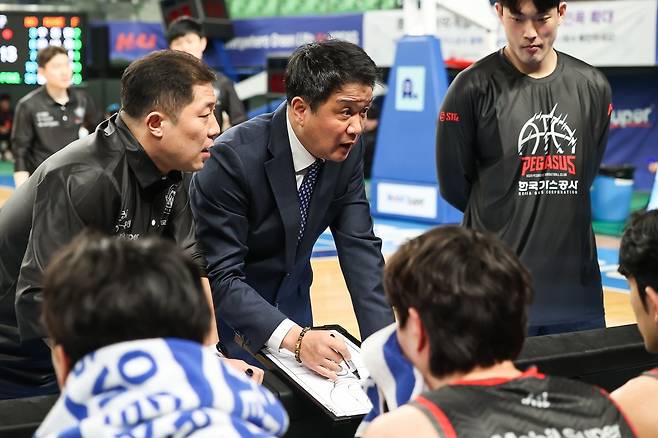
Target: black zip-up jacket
{"x":106,"y":182}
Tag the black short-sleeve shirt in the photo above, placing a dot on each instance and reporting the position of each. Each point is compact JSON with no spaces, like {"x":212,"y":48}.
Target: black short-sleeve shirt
{"x":42,"y":126}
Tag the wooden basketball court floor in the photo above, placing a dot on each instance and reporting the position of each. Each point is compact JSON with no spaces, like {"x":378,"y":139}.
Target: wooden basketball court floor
{"x":332,"y":305}
{"x":331,"y":302}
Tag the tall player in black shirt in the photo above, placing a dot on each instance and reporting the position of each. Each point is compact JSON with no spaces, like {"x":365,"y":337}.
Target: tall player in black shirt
{"x":520,"y":138}
{"x":461,"y":299}
{"x":638,"y":262}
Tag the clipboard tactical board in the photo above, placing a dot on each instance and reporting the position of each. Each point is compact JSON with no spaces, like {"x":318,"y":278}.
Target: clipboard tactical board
{"x":342,"y":400}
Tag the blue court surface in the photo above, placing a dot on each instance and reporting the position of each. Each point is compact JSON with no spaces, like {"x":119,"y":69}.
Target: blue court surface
{"x":612,"y":279}
{"x":392,"y":232}
{"x":395,"y":232}
{"x":7,"y":180}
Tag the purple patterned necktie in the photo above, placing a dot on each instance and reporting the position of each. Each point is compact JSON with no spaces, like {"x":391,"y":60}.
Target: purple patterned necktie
{"x":304,"y":194}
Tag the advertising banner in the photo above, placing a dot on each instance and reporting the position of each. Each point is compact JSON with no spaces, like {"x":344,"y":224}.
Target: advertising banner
{"x":130,"y":40}
{"x":257,"y":38}
{"x":633,"y":126}
{"x":460,"y":38}
{"x":610,"y":33}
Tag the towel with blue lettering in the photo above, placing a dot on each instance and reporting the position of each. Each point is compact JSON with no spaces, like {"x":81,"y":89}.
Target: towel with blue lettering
{"x":161,"y":387}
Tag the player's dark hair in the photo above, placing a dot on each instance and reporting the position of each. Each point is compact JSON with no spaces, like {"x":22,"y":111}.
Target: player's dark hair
{"x":470,"y":291}
{"x":540,"y":5}
{"x":47,"y":53}
{"x":162,"y":81}
{"x":182,"y":26}
{"x":638,"y":252}
{"x":318,"y":69}
{"x":102,"y":290}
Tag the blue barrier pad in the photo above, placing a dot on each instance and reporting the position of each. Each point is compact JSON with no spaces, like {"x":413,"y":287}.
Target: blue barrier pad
{"x":7,"y":180}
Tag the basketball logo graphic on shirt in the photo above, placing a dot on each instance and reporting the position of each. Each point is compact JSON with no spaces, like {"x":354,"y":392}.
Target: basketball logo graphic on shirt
{"x":548,"y":130}
{"x":547,"y":148}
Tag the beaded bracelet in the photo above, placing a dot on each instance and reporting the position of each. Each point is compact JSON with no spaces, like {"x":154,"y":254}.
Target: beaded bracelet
{"x":298,"y":345}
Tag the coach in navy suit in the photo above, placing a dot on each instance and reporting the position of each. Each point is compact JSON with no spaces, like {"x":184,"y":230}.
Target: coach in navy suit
{"x":271,"y":187}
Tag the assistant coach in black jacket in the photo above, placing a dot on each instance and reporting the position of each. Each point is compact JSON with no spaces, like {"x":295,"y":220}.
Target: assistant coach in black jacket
{"x":126,"y":179}
{"x":270,"y":188}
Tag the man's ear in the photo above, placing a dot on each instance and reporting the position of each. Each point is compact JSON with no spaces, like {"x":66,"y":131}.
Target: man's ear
{"x":154,"y":123}
{"x":61,"y":363}
{"x":561,"y":12}
{"x":300,"y":110}
{"x":204,"y":43}
{"x":652,"y":301}
{"x":499,"y":10}
{"x":417,"y":329}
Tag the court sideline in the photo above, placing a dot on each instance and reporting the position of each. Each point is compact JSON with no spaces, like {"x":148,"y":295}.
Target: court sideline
{"x":331,"y":302}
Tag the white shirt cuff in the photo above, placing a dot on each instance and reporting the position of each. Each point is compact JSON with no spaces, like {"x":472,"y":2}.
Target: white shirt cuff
{"x":276,"y":338}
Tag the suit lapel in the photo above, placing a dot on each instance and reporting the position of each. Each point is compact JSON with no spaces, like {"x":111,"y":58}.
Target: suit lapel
{"x":281,"y":175}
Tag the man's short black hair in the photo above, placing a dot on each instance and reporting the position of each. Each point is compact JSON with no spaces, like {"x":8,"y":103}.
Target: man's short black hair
{"x":540,"y":5}
{"x":164,"y":81}
{"x":638,"y":252}
{"x":470,"y":291}
{"x":181,"y":26}
{"x":316,"y":70}
{"x":47,"y":53}
{"x":101,"y":290}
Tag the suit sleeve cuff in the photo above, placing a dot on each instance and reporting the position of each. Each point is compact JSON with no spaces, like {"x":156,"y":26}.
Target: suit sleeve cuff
{"x":276,"y":338}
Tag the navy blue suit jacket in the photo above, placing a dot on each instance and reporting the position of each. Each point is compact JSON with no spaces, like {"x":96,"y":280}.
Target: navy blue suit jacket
{"x":247,"y":216}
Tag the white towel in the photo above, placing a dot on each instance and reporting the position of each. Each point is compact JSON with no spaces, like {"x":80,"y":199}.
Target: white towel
{"x":393,"y":379}
{"x":161,"y":387}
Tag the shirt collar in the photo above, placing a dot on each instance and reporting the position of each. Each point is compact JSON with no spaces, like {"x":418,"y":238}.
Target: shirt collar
{"x":72,"y":100}
{"x":143,"y":167}
{"x":301,"y":158}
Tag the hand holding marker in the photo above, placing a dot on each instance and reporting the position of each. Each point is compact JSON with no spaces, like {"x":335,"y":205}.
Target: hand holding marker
{"x":350,"y":365}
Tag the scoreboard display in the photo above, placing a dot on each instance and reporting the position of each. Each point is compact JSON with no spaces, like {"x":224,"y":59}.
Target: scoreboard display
{"x":23,"y":34}
{"x":212,"y":14}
